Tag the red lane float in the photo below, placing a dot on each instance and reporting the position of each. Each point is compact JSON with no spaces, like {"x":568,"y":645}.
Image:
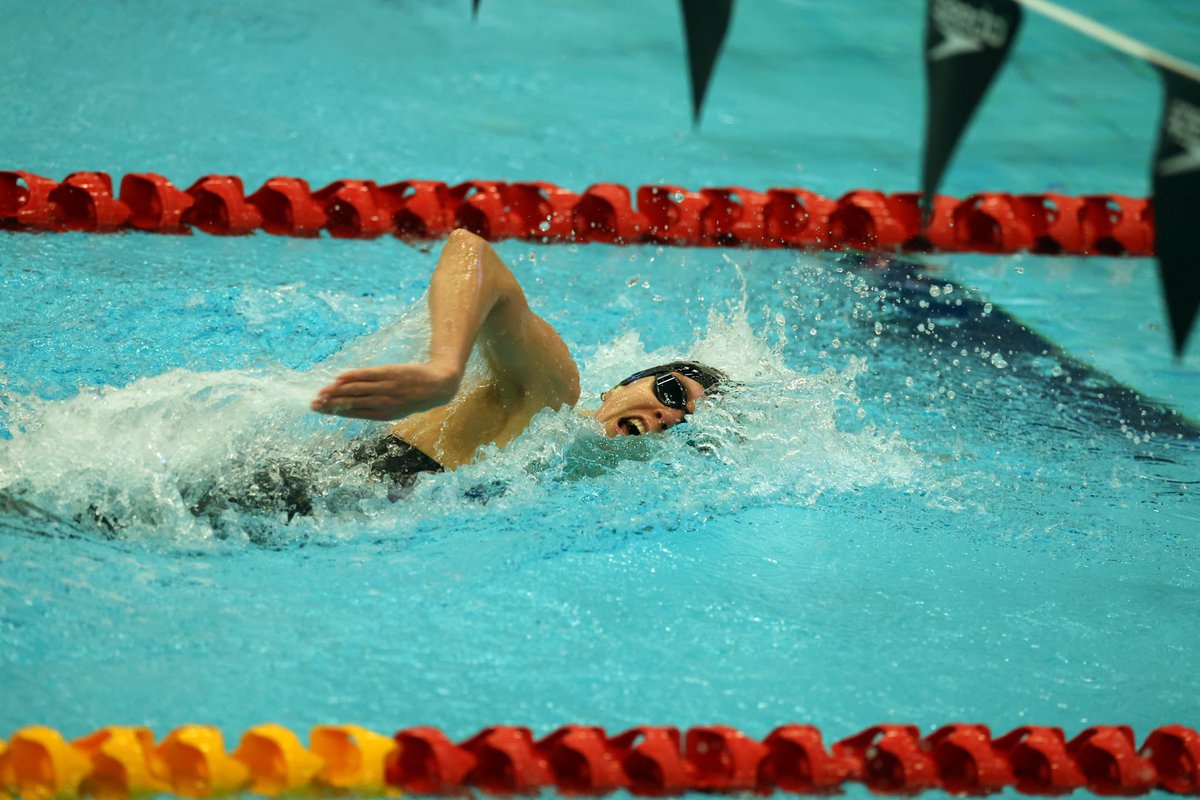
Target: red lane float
{"x":658,"y":761}
{"x":25,"y":201}
{"x":862,"y":219}
{"x":288,"y":208}
{"x":154,"y":204}
{"x":220,"y":207}
{"x":87,"y":203}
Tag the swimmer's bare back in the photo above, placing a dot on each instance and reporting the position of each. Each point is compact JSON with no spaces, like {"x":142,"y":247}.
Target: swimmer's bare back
{"x":474,"y":301}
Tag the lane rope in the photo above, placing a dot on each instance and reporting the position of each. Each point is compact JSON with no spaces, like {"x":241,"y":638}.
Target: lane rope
{"x":115,"y":762}
{"x":862,"y":219}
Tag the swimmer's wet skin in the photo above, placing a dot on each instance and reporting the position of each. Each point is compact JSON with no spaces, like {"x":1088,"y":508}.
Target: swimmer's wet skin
{"x":475,"y":302}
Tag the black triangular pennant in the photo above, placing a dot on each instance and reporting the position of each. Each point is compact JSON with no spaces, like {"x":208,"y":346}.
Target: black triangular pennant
{"x":705,"y":23}
{"x":966,"y":41}
{"x":1176,"y":187}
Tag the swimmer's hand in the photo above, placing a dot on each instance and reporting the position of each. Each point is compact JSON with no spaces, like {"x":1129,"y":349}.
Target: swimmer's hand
{"x":390,"y":392}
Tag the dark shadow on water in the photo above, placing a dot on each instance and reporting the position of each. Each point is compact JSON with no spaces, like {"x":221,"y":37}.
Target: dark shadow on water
{"x":1035,"y":366}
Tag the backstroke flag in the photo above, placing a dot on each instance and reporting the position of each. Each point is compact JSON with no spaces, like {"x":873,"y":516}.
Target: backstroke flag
{"x":1176,"y":183}
{"x":705,"y":23}
{"x":966,"y":41}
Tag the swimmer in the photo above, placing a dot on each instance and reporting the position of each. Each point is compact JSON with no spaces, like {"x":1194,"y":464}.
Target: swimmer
{"x":475,"y":302}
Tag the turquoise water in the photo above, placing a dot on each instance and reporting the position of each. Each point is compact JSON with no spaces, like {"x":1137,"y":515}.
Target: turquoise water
{"x":956,"y":490}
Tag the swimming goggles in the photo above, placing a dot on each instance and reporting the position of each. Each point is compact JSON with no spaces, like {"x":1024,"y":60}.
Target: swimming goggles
{"x":668,"y":389}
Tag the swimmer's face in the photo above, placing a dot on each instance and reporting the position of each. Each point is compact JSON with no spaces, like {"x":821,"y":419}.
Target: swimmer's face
{"x":634,"y":409}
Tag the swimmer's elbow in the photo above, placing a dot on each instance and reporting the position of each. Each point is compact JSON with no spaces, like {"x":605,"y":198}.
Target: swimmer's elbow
{"x":463,"y":248}
{"x":568,"y":394}
{"x":466,"y":250}
{"x":462,"y":235}
{"x":465,"y":239}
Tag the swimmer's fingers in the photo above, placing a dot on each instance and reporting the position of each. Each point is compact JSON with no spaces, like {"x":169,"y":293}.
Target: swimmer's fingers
{"x":370,"y":407}
{"x":373,"y":395}
{"x":354,"y":381}
{"x":388,"y":392}
{"x":355,"y":389}
{"x":363,"y":374}
{"x":336,"y":393}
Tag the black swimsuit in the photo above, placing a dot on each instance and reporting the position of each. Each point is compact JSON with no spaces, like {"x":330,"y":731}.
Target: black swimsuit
{"x":286,"y":488}
{"x":394,"y":458}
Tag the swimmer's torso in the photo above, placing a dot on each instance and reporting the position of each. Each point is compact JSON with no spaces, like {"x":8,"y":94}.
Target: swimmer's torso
{"x":478,"y":415}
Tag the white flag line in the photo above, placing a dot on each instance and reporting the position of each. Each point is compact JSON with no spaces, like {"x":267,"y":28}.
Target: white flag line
{"x":1108,"y":36}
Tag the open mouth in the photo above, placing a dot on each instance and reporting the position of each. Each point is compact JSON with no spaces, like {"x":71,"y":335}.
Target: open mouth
{"x":631,"y":426}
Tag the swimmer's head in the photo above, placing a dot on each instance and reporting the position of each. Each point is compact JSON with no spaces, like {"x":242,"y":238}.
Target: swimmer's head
{"x":657,"y":398}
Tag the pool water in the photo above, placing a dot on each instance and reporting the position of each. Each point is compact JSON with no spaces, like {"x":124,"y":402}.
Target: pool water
{"x":961,"y":488}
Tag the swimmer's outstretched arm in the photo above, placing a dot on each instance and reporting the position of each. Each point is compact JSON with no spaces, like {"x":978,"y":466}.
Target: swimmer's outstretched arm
{"x":473,"y":297}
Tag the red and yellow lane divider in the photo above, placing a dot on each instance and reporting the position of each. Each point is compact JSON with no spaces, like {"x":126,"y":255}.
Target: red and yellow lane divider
{"x":37,"y":763}
{"x":863,"y":219}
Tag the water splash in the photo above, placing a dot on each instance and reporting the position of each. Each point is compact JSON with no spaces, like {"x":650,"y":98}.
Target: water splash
{"x":193,"y":457}
{"x":125,"y":456}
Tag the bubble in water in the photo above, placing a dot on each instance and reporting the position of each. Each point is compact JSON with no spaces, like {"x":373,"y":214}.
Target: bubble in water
{"x":998,"y":361}
{"x":878,"y":328}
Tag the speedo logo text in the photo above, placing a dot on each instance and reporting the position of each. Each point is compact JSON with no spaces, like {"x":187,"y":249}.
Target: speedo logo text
{"x":1183,"y":129}
{"x":966,"y":28}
